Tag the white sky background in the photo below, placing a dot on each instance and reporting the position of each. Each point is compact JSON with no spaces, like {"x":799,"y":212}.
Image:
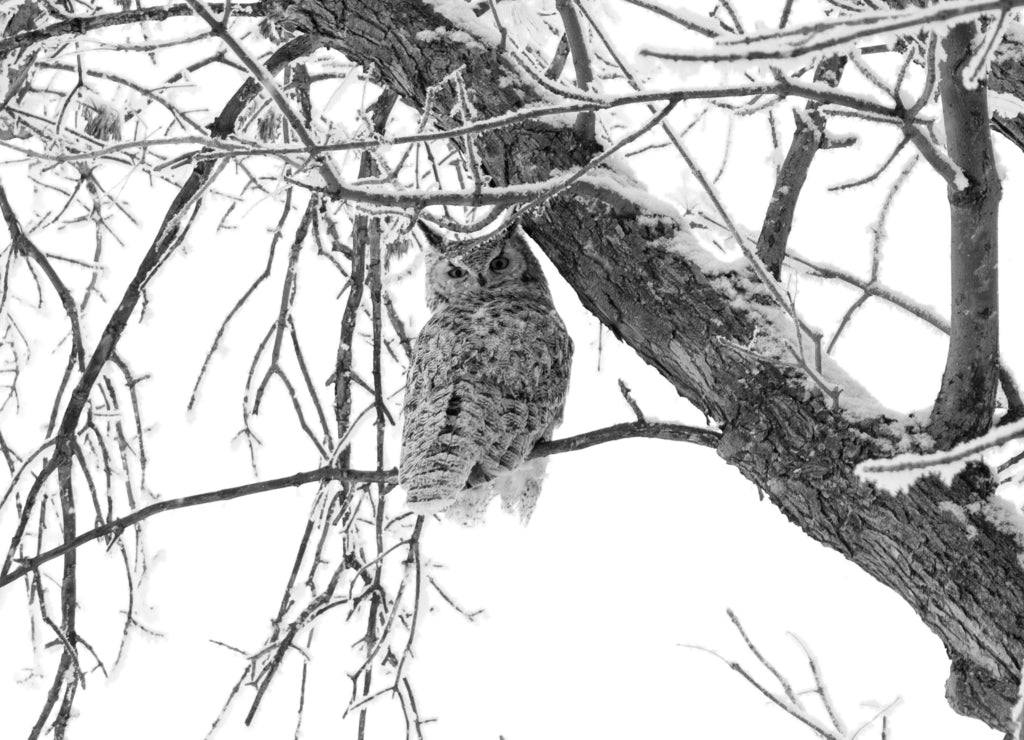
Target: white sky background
{"x":636,"y":548}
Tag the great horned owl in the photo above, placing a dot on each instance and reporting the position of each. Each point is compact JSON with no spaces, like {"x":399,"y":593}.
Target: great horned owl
{"x":487,"y":381}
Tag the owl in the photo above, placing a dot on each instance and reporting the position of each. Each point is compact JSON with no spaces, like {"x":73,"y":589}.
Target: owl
{"x":487,"y":380}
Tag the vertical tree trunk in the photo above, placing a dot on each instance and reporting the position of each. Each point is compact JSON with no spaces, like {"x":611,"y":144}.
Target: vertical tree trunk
{"x":966,"y":398}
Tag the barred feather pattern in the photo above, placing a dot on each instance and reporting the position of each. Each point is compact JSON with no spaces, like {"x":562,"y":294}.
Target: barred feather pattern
{"x":488,"y":380}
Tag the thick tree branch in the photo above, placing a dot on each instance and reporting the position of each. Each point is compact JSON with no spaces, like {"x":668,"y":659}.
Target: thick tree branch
{"x":835,"y":33}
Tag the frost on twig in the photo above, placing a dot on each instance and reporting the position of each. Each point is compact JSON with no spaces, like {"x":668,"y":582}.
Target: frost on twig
{"x":838,"y":33}
{"x":898,"y":473}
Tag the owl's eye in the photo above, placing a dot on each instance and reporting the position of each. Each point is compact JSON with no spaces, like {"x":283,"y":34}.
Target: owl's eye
{"x":457,"y":273}
{"x":499,"y":263}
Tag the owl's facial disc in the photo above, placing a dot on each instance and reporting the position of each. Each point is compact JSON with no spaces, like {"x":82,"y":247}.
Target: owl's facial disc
{"x":500,"y":268}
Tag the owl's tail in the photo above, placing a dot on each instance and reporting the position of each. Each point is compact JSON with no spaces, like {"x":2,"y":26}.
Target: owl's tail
{"x":431,"y":485}
{"x":518,"y":489}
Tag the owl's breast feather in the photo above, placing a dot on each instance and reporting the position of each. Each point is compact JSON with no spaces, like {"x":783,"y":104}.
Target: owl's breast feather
{"x":524,"y":350}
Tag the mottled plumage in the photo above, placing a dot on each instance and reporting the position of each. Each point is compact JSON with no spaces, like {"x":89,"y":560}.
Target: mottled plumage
{"x":488,"y":380}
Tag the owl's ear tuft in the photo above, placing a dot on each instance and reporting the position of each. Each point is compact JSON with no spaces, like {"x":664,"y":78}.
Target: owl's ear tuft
{"x":433,"y":235}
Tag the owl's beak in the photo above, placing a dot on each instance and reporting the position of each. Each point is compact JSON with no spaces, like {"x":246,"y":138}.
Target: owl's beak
{"x":480,"y":279}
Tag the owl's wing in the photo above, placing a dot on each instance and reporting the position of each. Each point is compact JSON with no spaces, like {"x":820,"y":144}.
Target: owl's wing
{"x":443,"y":415}
{"x":483,"y":388}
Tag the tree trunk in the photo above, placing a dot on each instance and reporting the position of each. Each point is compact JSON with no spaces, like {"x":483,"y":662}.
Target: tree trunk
{"x":935,"y":545}
{"x":967,"y":394}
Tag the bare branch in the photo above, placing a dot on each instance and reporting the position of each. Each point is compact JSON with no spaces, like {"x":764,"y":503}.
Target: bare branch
{"x":807,"y":139}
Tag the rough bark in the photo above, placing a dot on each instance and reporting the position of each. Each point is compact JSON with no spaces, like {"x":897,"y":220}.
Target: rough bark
{"x":963,"y":576}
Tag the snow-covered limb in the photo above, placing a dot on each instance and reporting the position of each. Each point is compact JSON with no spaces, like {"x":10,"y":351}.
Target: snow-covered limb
{"x":685,"y":18}
{"x":898,"y":473}
{"x":767,"y":276}
{"x":977,"y":69}
{"x":835,"y":34}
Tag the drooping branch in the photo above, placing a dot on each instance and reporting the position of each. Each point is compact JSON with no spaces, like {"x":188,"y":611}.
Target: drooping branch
{"x":379,"y":113}
{"x":23,"y":244}
{"x":368,"y":238}
{"x":170,"y":234}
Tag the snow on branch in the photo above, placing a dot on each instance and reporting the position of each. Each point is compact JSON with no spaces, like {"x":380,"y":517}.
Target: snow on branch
{"x":895,"y":475}
{"x":687,"y":19}
{"x":834,"y":34}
